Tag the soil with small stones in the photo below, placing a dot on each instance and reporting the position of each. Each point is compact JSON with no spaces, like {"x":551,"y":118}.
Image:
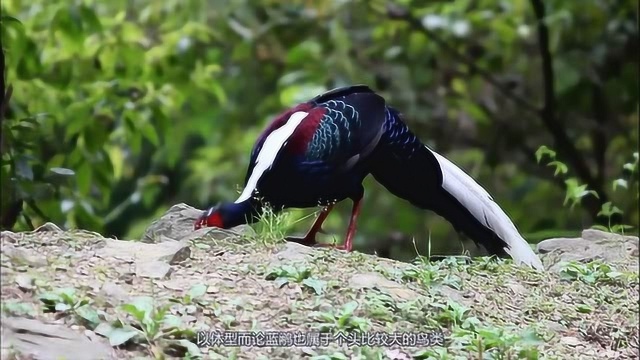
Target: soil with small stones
{"x":472,"y":303}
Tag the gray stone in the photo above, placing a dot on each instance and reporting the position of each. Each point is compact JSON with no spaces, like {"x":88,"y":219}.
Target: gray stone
{"x":177,"y":224}
{"x":215,"y":233}
{"x":375,"y":280}
{"x":43,"y":341}
{"x":570,"y":341}
{"x":24,"y":282}
{"x":169,"y":251}
{"x":20,"y":256}
{"x":453,"y":294}
{"x":114,"y":293}
{"x":48,"y":227}
{"x":153,"y":269}
{"x":293,"y":252}
{"x":592,"y":245}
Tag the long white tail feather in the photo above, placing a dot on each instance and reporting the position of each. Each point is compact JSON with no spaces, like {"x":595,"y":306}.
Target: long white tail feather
{"x":481,"y":205}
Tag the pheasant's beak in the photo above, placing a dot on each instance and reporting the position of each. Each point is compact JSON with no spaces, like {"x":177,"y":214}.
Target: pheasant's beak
{"x":202,"y":220}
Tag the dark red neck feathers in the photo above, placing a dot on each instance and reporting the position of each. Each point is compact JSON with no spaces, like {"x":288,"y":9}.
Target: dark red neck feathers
{"x":299,"y":143}
{"x":282,"y":119}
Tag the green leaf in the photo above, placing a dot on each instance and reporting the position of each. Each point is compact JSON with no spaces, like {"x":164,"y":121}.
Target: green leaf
{"x":88,"y":313}
{"x":68,"y":295}
{"x":567,"y":76}
{"x":143,"y":303}
{"x":7,"y":18}
{"x":23,"y":168}
{"x":62,"y":171}
{"x":62,"y":307}
{"x":149,"y":132}
{"x":171,"y":321}
{"x":49,"y":298}
{"x":90,"y":19}
{"x":104,"y":329}
{"x":542,"y":151}
{"x":192,"y":349}
{"x":134,"y":311}
{"x":620,"y":182}
{"x":583,"y":308}
{"x":197,"y":291}
{"x":561,"y":168}
{"x":317,"y":285}
{"x":119,"y":336}
{"x":281,"y":281}
{"x":350,"y":307}
{"x":19,"y":308}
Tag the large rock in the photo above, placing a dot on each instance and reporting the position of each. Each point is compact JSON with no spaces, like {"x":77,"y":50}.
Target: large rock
{"x":592,"y":245}
{"x":177,"y":224}
{"x":375,"y":280}
{"x":151,"y":260}
{"x":169,"y":251}
{"x":38,"y":340}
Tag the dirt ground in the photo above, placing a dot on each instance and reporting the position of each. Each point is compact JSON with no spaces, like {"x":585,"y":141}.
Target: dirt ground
{"x":77,"y":293}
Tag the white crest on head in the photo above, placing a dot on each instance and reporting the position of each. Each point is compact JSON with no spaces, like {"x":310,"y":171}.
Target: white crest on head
{"x":481,"y":205}
{"x":269,"y":151}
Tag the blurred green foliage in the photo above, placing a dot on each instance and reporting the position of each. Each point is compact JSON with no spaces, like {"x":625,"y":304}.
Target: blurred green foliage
{"x":151,"y":103}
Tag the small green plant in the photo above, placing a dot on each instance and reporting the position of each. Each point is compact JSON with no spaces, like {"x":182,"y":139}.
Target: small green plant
{"x":451,"y":313}
{"x":429,"y":273}
{"x":357,"y":353}
{"x":272,"y":226}
{"x":497,"y":343}
{"x":188,"y":304}
{"x":18,"y":308}
{"x":609,"y":210}
{"x":65,"y":301}
{"x":487,"y":343}
{"x":592,"y":272}
{"x":302,"y":275}
{"x":152,"y":325}
{"x":380,"y":306}
{"x":576,"y":191}
{"x":342,"y":320}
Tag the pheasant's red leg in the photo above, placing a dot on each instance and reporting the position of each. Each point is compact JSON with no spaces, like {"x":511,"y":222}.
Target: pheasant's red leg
{"x":351,"y":231}
{"x":310,"y":238}
{"x":317,"y":225}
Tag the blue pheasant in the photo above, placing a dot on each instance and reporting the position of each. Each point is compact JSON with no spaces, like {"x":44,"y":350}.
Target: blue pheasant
{"x":319,"y":152}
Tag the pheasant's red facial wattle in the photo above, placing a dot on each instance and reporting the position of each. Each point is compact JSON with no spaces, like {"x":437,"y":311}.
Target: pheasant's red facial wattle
{"x":209,"y":219}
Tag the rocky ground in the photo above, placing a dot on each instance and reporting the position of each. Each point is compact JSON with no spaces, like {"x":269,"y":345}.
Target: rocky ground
{"x":77,"y":295}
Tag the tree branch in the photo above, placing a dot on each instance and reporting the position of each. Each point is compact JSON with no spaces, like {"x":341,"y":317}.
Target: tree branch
{"x":12,"y":211}
{"x":397,"y":13}
{"x":599,"y":134}
{"x":548,"y":115}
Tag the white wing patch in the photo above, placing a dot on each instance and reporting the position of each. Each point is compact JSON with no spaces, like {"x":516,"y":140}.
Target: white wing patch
{"x":270,"y":149}
{"x":481,"y":205}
